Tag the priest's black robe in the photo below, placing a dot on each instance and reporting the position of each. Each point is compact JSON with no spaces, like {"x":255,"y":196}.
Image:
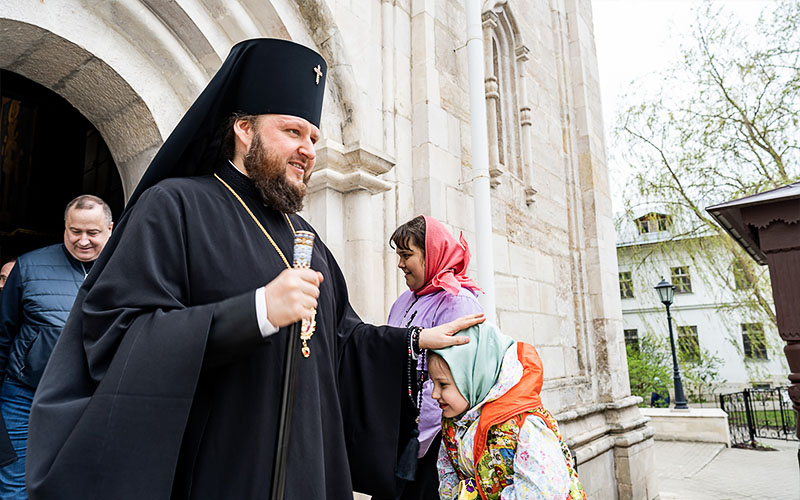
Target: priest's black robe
{"x":161,"y":385}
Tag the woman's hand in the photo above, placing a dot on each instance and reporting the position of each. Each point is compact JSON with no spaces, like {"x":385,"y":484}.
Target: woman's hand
{"x":442,"y":335}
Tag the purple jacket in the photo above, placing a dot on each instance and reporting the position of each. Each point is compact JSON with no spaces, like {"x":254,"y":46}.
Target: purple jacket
{"x":428,"y":311}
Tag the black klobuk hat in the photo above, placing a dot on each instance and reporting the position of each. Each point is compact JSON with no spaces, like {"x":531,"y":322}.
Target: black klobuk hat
{"x":259,"y":76}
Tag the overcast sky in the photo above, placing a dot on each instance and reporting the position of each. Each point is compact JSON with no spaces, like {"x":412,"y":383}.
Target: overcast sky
{"x":636,"y":38}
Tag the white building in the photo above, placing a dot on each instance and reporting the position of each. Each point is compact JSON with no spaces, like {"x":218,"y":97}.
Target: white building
{"x":396,"y":143}
{"x":713,"y":303}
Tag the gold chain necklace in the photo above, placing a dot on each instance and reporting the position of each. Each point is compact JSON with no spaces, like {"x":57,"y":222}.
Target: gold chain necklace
{"x":309,"y":325}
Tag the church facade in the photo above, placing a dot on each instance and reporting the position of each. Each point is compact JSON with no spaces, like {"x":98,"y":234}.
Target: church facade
{"x":396,"y":144}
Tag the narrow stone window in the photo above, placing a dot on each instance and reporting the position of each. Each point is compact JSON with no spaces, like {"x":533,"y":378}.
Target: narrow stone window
{"x":508,"y":113}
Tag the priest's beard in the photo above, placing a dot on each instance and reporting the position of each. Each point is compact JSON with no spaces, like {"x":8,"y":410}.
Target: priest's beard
{"x":268,"y":173}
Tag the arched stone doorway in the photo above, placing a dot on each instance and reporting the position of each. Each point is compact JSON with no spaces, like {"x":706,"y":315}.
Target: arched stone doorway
{"x":49,"y":153}
{"x":132,"y":68}
{"x":71,"y":124}
{"x":88,"y":83}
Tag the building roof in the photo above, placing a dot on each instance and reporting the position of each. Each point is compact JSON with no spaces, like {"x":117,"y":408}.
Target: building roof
{"x":729,"y":216}
{"x":679,"y":228}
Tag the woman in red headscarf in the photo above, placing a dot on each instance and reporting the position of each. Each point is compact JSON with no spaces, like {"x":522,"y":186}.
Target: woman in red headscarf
{"x":435,"y":267}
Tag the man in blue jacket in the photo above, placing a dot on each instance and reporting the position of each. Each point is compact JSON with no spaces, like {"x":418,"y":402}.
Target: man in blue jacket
{"x":34,"y":307}
{"x":5,"y":271}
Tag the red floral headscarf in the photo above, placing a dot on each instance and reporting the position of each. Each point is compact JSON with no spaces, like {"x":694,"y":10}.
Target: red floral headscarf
{"x":446,"y":261}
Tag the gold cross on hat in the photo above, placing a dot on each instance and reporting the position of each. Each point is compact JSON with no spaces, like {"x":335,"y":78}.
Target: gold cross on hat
{"x":318,"y":71}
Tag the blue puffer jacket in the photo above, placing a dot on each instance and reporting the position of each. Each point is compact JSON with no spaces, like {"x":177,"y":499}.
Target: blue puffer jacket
{"x":34,"y":306}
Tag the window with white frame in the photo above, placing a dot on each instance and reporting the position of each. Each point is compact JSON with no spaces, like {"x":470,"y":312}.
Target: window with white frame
{"x":625,"y":285}
{"x":742,"y":275}
{"x":681,"y":279}
{"x":653,"y":222}
{"x":754,"y":342}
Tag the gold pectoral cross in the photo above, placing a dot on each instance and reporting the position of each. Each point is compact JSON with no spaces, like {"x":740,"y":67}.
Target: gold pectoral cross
{"x":309,"y":325}
{"x":318,"y":71}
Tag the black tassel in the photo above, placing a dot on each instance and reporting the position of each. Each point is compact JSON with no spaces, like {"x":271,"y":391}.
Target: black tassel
{"x":407,"y":464}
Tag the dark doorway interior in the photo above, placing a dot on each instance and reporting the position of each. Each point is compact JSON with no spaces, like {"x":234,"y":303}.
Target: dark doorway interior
{"x":49,"y":154}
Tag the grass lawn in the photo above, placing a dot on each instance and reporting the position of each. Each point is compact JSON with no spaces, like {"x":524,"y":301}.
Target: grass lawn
{"x":767,"y":418}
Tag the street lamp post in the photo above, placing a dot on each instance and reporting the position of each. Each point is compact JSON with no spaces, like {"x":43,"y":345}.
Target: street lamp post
{"x":666,"y":291}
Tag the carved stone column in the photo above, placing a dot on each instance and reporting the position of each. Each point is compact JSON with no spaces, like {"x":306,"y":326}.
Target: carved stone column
{"x":496,"y":168}
{"x":525,"y":125}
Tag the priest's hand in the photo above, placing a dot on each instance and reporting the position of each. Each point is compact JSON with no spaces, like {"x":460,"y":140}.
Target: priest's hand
{"x":292,"y":296}
{"x":442,"y":335}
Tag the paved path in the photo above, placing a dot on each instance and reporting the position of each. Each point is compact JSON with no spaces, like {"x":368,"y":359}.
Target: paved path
{"x":699,"y":471}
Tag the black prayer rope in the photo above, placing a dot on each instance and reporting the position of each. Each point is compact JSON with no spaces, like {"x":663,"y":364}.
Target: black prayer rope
{"x":420,"y":381}
{"x":412,"y":341}
{"x":411,"y":360}
{"x":407,"y":463}
{"x":415,"y":341}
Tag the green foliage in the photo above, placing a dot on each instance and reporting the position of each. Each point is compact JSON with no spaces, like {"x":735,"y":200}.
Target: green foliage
{"x":648,"y":369}
{"x":701,"y":377}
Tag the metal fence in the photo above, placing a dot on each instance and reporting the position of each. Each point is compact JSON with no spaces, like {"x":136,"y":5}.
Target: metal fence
{"x":759,"y":413}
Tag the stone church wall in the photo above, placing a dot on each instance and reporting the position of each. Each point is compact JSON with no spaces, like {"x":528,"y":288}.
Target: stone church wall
{"x":396,"y":143}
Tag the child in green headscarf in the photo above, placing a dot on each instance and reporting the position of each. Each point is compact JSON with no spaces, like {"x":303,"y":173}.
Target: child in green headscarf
{"x":498,"y":442}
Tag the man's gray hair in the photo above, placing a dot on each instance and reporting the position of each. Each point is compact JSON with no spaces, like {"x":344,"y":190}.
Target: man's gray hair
{"x":88,"y":202}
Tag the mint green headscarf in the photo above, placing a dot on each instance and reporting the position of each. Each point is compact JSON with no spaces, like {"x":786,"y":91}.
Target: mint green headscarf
{"x":476,"y":366}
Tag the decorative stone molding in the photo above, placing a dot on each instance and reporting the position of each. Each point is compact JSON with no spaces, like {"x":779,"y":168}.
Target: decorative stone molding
{"x":490,"y":85}
{"x":508,"y":114}
{"x":522,"y":52}
{"x":494,"y":5}
{"x":525,"y":122}
{"x":530,"y":195}
{"x":622,"y":425}
{"x":352,"y":169}
{"x":496,"y":171}
{"x":525,"y":116}
{"x":489,"y":23}
{"x":617,"y":431}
